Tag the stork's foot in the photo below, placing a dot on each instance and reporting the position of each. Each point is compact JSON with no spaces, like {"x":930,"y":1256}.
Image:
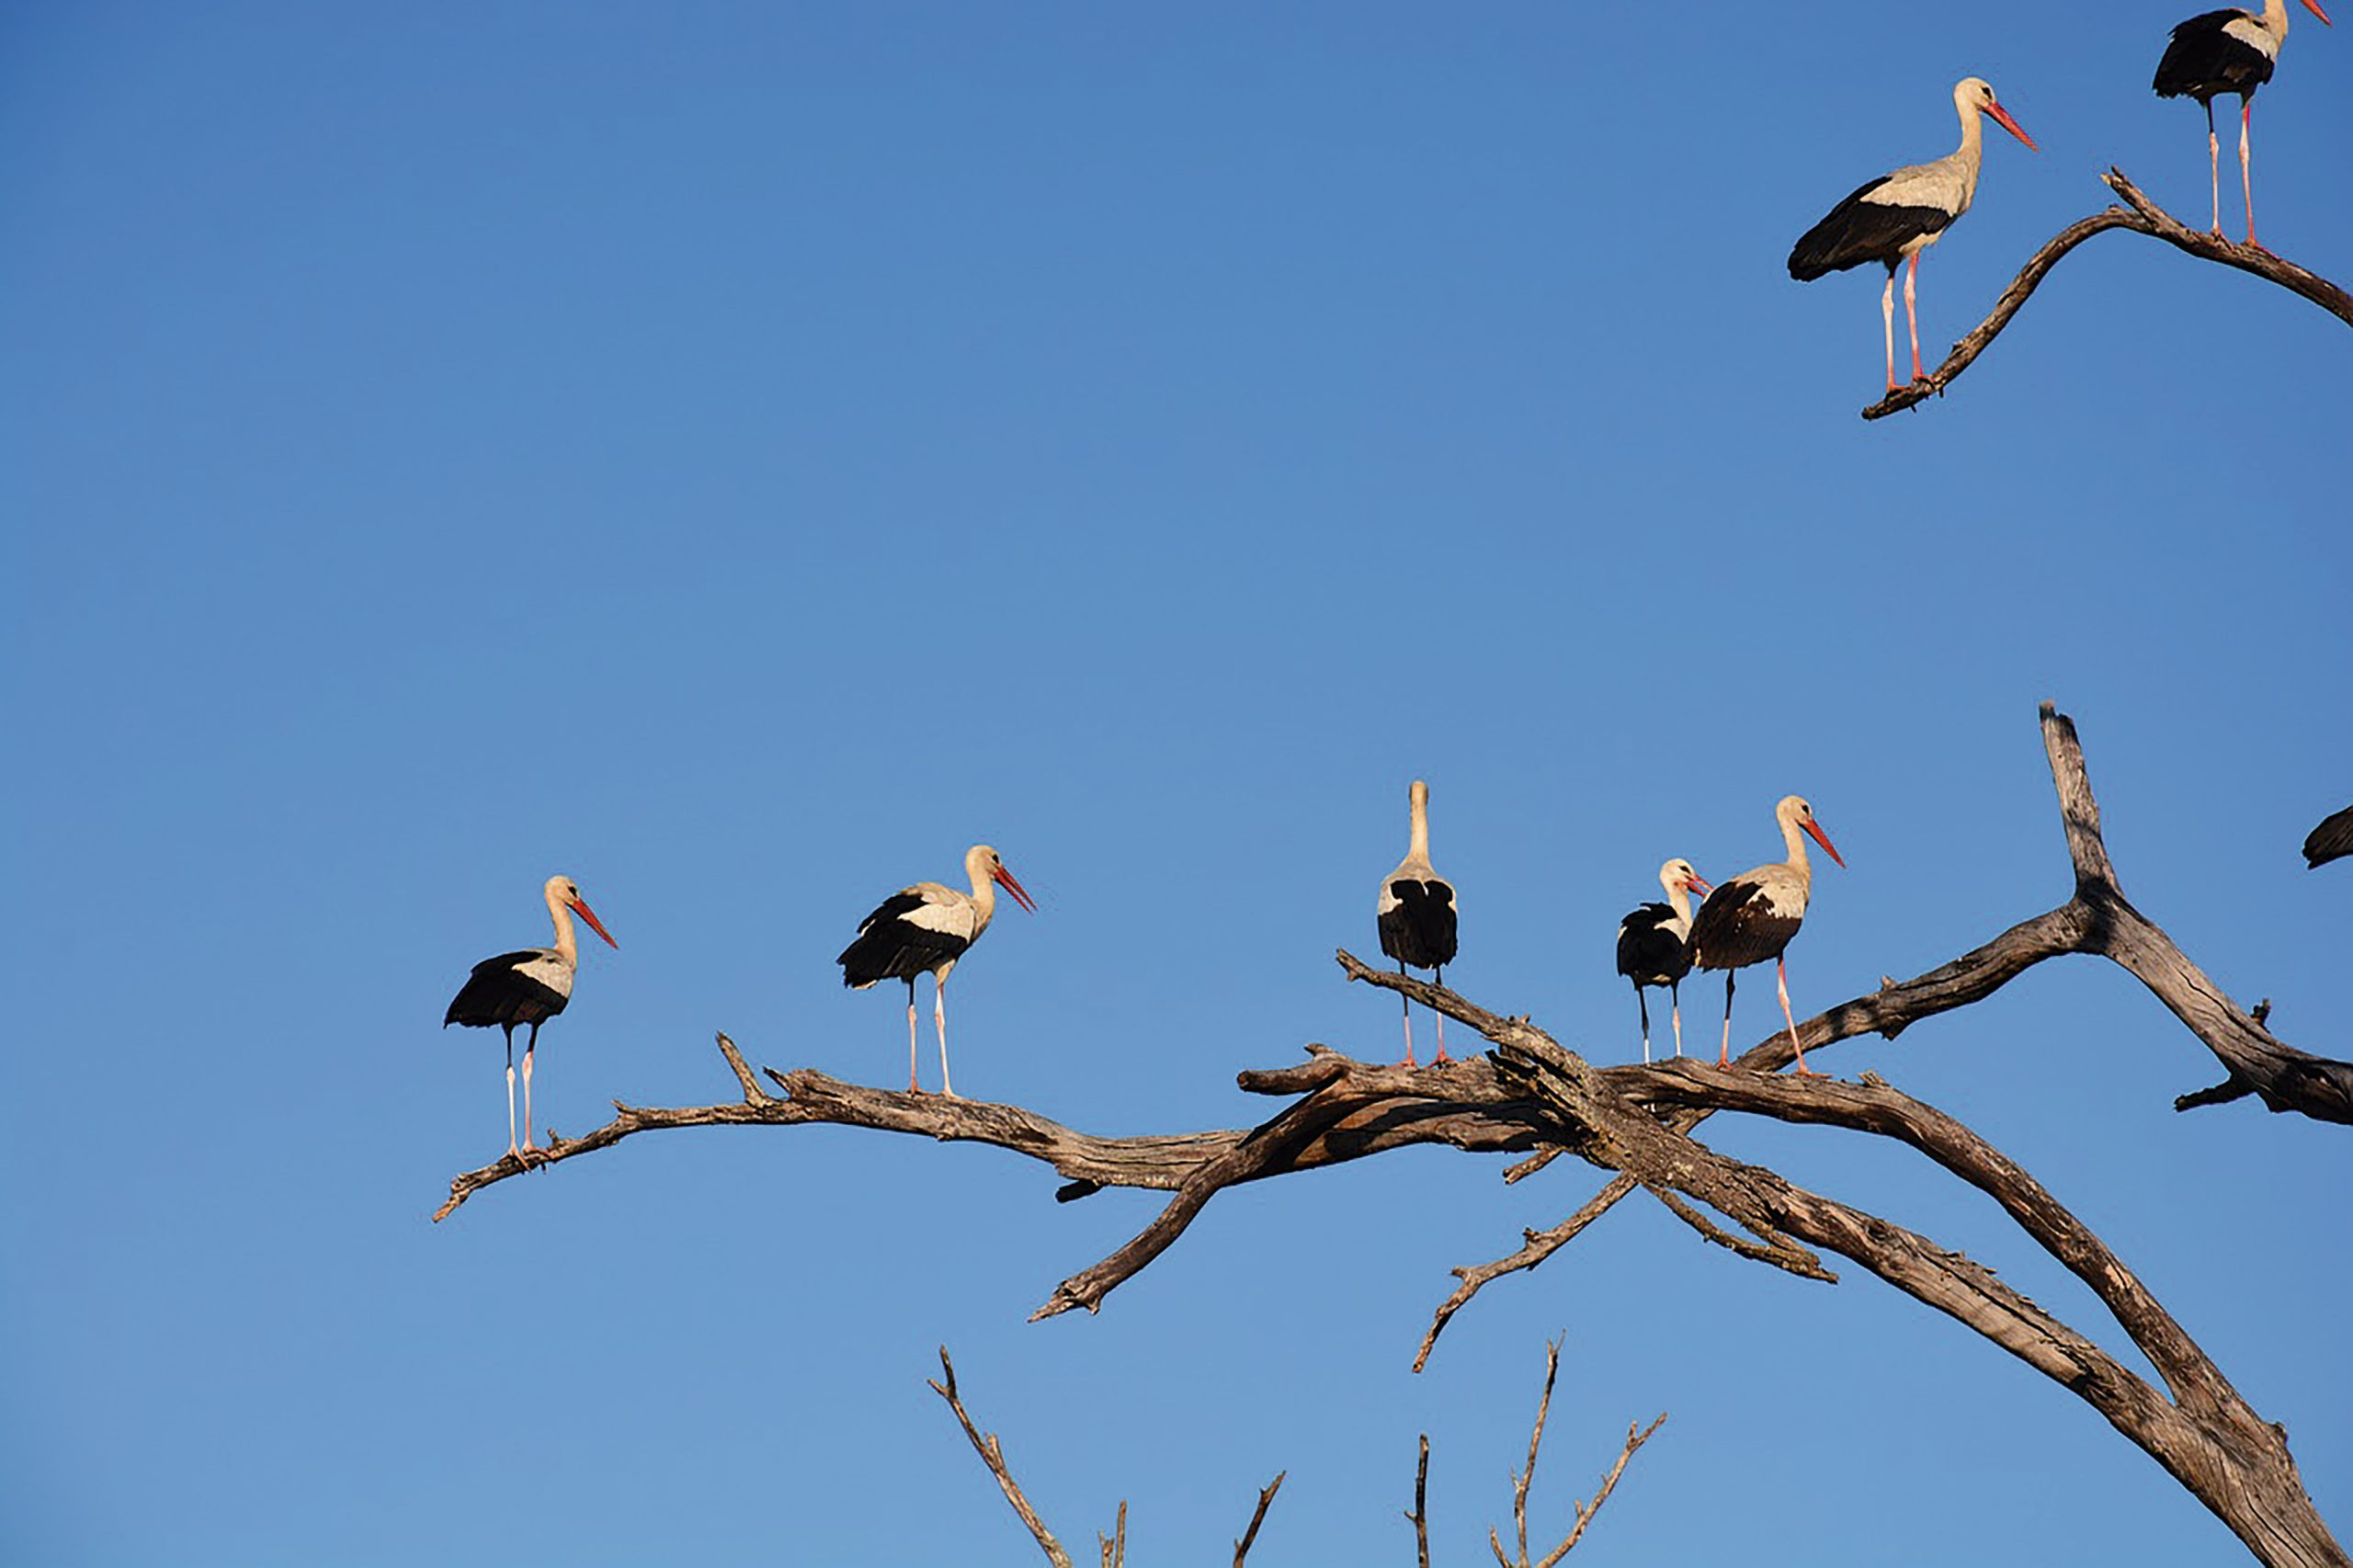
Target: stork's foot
{"x":2254,"y":244}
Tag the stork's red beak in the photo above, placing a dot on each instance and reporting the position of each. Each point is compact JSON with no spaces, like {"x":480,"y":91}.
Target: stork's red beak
{"x":580,"y":907}
{"x":1696,"y":883}
{"x":1815,"y":834}
{"x":2314,"y":7}
{"x":1021,"y":894}
{"x":2001,"y":117}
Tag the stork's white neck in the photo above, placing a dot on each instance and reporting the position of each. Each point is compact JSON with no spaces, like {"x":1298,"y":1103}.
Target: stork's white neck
{"x":567,"y":946}
{"x":1419,"y":849}
{"x":1795,"y":840}
{"x":1679,"y":898}
{"x":976,"y":870}
{"x":1971,"y":154}
{"x":2275,"y":18}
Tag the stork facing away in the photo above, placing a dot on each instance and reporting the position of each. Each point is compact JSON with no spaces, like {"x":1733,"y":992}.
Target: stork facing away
{"x":1416,"y":910}
{"x":1892,"y":218}
{"x":1751,"y":917}
{"x":527,"y":987}
{"x":2227,"y":52}
{"x":924,"y":930}
{"x":1653,"y":945}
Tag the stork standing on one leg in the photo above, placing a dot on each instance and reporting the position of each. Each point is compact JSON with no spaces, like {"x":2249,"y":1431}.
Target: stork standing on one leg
{"x":527,"y":987}
{"x":1416,"y":914}
{"x":2227,"y":52}
{"x":1898,"y":215}
{"x":1751,"y":917}
{"x":1653,"y":945}
{"x":924,"y":929}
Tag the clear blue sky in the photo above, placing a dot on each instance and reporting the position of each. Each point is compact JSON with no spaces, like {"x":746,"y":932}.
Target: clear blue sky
{"x":740,"y":455}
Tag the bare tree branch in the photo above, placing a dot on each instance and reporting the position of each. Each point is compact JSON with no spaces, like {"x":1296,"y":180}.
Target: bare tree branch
{"x":992,"y":1455}
{"x":1529,"y":1097}
{"x":1370,"y":1111}
{"x":1635,"y":1437}
{"x":1265,"y":1496}
{"x":2142,"y":216}
{"x":1421,"y":1514}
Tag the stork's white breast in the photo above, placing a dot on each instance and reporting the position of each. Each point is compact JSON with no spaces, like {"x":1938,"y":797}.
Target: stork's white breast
{"x":549,"y":970}
{"x":2250,"y":31}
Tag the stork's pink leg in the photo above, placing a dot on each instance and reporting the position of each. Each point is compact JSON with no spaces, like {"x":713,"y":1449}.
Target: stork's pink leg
{"x":527,"y":1050}
{"x":1887,"y":326}
{"x":1911,"y":317}
{"x":2246,"y":174}
{"x":512,"y":1147}
{"x":2214,"y":166}
{"x":1674,"y":1001}
{"x":1781,"y":972}
{"x":939,"y":1017}
{"x":915,"y":1086}
{"x":1440,"y":1058}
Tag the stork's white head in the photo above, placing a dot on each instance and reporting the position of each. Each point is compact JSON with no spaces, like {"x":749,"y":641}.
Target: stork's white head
{"x":1974,"y":95}
{"x":563,"y":889}
{"x":1795,"y":811}
{"x":984,"y":863}
{"x":1678,"y":876}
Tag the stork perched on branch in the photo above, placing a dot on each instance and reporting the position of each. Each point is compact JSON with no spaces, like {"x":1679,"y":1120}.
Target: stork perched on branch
{"x":1415,"y":912}
{"x":924,"y":929}
{"x":527,"y":987}
{"x":1751,"y":917}
{"x":1892,"y":218}
{"x":2227,"y":52}
{"x":1653,"y":945}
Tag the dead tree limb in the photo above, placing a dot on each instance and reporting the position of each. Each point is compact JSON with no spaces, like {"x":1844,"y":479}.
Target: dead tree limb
{"x":1636,"y":1436}
{"x":1531,"y":1096}
{"x":2098,"y":919}
{"x":1367,"y":1110}
{"x":2142,"y":216}
{"x":1257,"y":1518}
{"x":991,"y":1454}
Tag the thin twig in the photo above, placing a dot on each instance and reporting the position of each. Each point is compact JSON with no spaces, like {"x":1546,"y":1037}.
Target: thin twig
{"x":1636,"y":1437}
{"x":992,"y":1455}
{"x":1242,"y":1547}
{"x":753,"y":1093}
{"x":1421,"y":1514}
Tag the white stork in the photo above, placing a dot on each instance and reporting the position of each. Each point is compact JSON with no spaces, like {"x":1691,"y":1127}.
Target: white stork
{"x":1751,"y":917}
{"x":527,"y":987}
{"x":2227,"y":52}
{"x":1415,"y":909}
{"x":1653,"y":945}
{"x":1901,"y":214}
{"x":924,"y":929}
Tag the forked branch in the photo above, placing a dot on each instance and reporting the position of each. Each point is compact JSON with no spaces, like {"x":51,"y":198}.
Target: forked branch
{"x":2142,"y":216}
{"x":1636,"y":1436}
